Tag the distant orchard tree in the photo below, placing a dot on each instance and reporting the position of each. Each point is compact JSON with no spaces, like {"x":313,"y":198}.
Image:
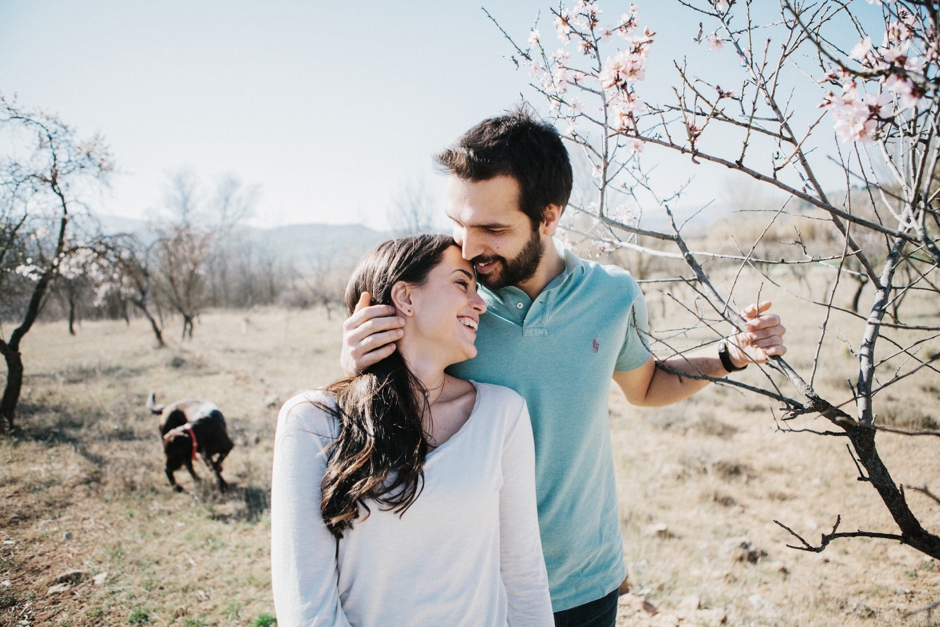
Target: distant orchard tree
{"x":181,"y":254}
{"x":129,"y":276}
{"x":413,"y":211}
{"x":44,"y":171}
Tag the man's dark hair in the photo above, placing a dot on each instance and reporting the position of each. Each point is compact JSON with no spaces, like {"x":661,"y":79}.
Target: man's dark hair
{"x":520,"y":146}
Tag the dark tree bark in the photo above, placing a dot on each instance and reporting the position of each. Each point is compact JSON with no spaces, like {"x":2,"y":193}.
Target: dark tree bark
{"x":11,"y":348}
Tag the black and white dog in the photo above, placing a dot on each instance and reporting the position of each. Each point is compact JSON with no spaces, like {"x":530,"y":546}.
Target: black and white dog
{"x":189,"y":427}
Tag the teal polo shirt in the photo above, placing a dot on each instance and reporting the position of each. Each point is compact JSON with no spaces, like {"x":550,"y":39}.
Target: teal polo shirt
{"x":559,"y":352}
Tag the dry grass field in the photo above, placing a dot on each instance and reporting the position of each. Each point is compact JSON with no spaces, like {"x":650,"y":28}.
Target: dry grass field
{"x":91,"y":534}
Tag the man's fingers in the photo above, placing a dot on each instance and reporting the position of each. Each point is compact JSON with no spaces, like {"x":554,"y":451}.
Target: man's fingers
{"x":373,"y":341}
{"x":764,"y":322}
{"x":767,"y":342}
{"x":364,"y":315}
{"x":375,"y":356}
{"x":356,"y":337}
{"x":365,"y":299}
{"x":755,"y":309}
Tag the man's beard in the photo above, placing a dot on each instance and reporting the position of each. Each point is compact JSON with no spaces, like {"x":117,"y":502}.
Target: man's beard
{"x":514,"y":271}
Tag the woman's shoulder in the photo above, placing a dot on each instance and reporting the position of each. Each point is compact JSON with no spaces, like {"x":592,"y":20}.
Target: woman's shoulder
{"x":308,"y":411}
{"x":500,"y":395}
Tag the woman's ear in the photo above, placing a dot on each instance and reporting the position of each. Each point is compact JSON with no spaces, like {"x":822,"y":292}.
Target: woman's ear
{"x":402,"y":298}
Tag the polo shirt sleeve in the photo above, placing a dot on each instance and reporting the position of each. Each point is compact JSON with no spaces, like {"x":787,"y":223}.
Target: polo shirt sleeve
{"x":635,"y":350}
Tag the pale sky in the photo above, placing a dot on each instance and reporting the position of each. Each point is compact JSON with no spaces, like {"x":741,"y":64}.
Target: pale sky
{"x":330,"y":107}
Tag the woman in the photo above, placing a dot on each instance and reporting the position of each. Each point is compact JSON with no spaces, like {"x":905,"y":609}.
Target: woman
{"x":403,"y":496}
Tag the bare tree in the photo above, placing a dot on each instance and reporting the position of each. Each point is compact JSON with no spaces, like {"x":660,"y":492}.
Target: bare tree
{"x":881,"y":101}
{"x":43,"y":174}
{"x":181,"y":253}
{"x":128,"y":262}
{"x":413,"y":210}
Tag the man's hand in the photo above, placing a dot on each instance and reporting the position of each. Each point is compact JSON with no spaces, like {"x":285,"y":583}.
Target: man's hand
{"x":762,"y":336}
{"x":369,"y":335}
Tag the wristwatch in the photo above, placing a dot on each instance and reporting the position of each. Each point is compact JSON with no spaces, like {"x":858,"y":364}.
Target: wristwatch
{"x":726,"y":358}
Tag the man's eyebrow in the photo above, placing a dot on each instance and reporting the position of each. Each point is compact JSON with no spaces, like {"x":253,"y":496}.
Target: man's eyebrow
{"x":490,"y":225}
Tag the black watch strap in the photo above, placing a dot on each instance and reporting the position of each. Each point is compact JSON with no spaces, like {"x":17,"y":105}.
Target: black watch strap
{"x":726,"y":358}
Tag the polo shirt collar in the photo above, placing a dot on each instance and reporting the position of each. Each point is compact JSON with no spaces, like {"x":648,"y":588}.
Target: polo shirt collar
{"x":513,"y":302}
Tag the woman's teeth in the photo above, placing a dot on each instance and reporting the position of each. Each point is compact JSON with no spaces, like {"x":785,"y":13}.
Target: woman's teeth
{"x":470,"y":323}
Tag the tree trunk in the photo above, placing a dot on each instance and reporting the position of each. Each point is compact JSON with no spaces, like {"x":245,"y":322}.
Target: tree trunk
{"x":11,"y":394}
{"x":71,"y":316}
{"x":157,"y":331}
{"x":912,"y":532}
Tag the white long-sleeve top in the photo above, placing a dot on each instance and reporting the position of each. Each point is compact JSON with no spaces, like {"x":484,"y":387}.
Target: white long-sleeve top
{"x":466,"y":553}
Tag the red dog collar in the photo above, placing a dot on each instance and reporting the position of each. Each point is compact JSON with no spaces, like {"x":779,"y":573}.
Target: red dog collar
{"x":192,"y":434}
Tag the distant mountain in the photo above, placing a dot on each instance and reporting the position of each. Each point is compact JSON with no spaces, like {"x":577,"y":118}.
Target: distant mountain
{"x":309,"y":244}
{"x":301,"y":245}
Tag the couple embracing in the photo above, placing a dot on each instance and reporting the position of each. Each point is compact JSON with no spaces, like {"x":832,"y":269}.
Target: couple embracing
{"x":463,"y":473}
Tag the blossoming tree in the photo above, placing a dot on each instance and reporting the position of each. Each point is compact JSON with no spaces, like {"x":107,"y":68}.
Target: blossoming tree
{"x":871,"y":109}
{"x":45,"y":170}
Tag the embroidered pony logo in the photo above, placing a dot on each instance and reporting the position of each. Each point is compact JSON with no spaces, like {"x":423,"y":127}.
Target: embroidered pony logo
{"x":595,"y":345}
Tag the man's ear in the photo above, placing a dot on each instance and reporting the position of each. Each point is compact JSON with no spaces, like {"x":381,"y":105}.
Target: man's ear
{"x":550,"y":219}
{"x":402,"y":298}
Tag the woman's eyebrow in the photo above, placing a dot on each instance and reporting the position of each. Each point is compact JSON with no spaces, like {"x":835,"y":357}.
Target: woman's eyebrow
{"x":469,"y":276}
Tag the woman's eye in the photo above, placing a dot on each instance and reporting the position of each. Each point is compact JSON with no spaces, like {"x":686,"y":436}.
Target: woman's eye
{"x":464,"y":284}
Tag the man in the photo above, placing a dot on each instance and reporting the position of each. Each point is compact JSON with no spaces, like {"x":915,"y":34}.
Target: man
{"x":556,"y":329}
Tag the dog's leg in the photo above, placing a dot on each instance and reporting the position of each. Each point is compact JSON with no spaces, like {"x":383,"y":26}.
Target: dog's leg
{"x":169,"y":475}
{"x":217,"y":467}
{"x":192,"y":472}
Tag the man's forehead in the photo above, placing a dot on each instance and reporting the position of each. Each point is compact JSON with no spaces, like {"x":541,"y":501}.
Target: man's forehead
{"x":494,"y":202}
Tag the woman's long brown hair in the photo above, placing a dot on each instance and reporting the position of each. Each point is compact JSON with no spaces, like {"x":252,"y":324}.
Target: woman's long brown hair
{"x":380,"y":450}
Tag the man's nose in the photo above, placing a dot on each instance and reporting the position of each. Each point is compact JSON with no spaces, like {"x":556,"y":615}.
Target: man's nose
{"x":469,"y":248}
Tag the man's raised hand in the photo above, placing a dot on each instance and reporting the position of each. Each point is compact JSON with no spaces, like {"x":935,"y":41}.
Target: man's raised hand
{"x":762,"y":336}
{"x":369,"y":335}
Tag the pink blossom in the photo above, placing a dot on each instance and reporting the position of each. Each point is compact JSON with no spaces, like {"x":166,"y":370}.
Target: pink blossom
{"x":561,"y":56}
{"x":604,"y":247}
{"x":909,"y":93}
{"x":634,"y":146}
{"x":620,"y":109}
{"x":534,"y":37}
{"x":879,"y":105}
{"x":628,"y":22}
{"x":861,"y":49}
{"x":624,"y":67}
{"x":624,"y":101}
{"x":722,"y":6}
{"x":715,"y":43}
{"x":563,"y":26}
{"x":561,"y":77}
{"x":857,"y":116}
{"x":853,"y":129}
{"x":537,"y":70}
{"x":576,"y":105}
{"x":623,"y":214}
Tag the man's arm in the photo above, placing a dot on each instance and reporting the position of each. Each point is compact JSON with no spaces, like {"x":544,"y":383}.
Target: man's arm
{"x":652,"y":386}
